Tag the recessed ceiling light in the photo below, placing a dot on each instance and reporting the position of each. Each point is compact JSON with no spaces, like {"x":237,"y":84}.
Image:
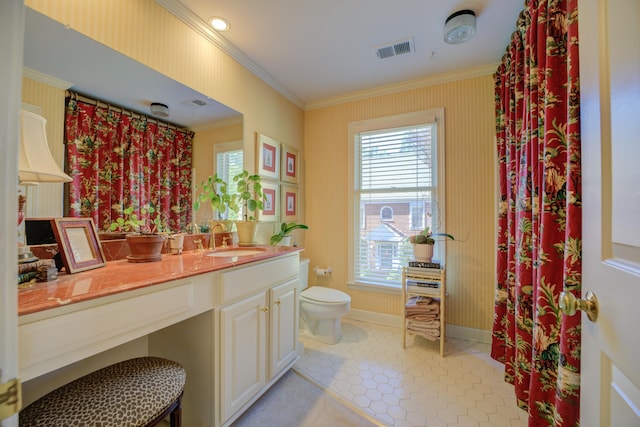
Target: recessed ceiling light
{"x":219,"y":24}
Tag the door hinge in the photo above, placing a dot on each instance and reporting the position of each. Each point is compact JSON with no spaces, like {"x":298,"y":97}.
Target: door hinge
{"x":10,"y":398}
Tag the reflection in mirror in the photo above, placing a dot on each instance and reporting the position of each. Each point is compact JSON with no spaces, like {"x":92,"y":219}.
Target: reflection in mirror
{"x":54,"y":53}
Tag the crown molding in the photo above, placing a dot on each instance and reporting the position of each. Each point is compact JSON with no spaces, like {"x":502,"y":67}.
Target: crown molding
{"x":45,"y":78}
{"x":403,"y":86}
{"x":199,"y":26}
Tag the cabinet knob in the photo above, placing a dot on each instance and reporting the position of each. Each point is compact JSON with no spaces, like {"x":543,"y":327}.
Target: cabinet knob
{"x":277,"y":302}
{"x":265,"y":309}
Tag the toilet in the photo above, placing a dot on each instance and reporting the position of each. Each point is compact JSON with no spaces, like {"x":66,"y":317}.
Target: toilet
{"x":320,"y":309}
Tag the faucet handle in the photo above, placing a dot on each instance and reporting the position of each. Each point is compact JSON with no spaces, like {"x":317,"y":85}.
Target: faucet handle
{"x":198,"y":244}
{"x":224,"y":241}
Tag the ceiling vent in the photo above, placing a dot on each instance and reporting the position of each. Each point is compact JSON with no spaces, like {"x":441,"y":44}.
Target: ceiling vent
{"x":194,"y":104}
{"x":400,"y":47}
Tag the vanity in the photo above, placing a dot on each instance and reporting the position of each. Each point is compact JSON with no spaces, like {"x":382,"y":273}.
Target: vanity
{"x":230,"y":318}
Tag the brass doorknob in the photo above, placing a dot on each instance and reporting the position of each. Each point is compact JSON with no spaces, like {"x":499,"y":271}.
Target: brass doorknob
{"x":569,"y":304}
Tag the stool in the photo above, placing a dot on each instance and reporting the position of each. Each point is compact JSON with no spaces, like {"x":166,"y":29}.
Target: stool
{"x":138,"y":392}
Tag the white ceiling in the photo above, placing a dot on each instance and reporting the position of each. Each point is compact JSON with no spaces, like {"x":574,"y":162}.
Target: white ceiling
{"x":309,"y":51}
{"x":322,"y":49}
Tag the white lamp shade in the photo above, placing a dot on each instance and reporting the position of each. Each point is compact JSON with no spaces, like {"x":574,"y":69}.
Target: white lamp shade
{"x":35,"y":162}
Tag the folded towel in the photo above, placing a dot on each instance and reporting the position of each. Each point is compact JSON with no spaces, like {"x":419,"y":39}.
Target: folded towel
{"x":424,"y":321}
{"x":429,"y":333}
{"x":418,"y":299}
{"x":432,"y":308}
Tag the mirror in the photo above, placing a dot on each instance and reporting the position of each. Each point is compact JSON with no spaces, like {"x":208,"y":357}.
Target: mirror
{"x":98,"y":71}
{"x":53,"y":51}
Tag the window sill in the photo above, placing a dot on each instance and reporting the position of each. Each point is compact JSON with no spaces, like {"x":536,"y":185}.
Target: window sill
{"x":375,"y":287}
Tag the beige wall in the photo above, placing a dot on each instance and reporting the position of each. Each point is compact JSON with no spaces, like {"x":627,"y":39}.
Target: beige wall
{"x":470,"y":195}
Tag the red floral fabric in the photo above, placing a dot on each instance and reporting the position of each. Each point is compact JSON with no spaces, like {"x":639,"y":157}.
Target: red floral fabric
{"x":539,"y":222}
{"x":119,"y":160}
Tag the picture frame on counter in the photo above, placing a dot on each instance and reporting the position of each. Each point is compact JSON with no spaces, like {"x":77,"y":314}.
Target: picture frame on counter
{"x":79,"y":244}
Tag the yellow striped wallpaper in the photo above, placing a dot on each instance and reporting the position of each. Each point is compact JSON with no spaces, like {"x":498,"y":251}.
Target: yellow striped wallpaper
{"x":470,"y":195}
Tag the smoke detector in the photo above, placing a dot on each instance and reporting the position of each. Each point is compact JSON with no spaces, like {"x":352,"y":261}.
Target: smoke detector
{"x":460,"y":26}
{"x":159,"y":110}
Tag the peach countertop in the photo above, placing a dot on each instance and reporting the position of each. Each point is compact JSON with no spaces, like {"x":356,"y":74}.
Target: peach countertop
{"x":122,"y":276}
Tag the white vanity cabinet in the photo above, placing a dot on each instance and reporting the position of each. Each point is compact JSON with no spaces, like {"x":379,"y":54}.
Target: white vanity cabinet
{"x":258,"y":333}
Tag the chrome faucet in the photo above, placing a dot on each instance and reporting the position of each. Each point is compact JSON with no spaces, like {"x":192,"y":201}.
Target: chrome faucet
{"x":212,"y":243}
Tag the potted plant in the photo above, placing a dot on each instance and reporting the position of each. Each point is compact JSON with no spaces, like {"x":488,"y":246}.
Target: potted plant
{"x":249,"y":195}
{"x":283,"y":236}
{"x":423,"y":244}
{"x":214,"y":191}
{"x":145,"y":242}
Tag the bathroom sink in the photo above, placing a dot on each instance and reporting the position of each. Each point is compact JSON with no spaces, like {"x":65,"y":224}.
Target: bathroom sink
{"x":235,"y":252}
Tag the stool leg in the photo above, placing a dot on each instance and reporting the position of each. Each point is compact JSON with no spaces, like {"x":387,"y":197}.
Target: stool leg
{"x":176,"y":415}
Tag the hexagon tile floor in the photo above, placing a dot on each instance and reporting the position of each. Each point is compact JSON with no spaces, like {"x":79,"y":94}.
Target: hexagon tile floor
{"x":412,"y":387}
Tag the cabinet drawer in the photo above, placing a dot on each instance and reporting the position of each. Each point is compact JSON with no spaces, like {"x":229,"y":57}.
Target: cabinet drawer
{"x":249,"y":280}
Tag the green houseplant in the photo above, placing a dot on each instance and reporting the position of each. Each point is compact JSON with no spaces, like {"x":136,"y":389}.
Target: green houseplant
{"x":284,"y":233}
{"x":423,"y":243}
{"x":250,"y":196}
{"x":215,"y":191}
{"x":145,"y":242}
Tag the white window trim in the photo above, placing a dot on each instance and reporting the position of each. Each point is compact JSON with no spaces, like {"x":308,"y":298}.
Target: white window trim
{"x":410,"y":119}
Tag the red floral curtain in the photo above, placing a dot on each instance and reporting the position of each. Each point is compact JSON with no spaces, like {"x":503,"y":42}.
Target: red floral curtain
{"x":118,"y":159}
{"x":539,"y":223}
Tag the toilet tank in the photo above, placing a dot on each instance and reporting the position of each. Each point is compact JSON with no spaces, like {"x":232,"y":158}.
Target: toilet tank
{"x":303,"y":274}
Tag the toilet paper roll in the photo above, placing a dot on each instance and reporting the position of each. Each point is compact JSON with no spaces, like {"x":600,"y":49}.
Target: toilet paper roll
{"x":322,"y":271}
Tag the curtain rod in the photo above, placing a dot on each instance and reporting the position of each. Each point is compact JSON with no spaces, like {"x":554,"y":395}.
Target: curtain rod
{"x":78,"y":97}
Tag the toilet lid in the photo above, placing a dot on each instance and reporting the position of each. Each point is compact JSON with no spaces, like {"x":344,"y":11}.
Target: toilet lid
{"x":327,"y":295}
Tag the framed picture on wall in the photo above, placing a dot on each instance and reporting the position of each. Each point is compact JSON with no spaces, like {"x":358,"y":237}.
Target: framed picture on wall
{"x":270,"y":204}
{"x":289,"y":166}
{"x":79,"y":244}
{"x":268,"y":156}
{"x":289,"y":203}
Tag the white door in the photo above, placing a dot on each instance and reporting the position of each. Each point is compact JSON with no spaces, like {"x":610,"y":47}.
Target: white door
{"x":11,"y":46}
{"x":610,"y":116}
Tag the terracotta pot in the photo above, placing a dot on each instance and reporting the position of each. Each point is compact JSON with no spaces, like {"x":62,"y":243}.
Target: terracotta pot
{"x":145,"y":247}
{"x":423,"y":252}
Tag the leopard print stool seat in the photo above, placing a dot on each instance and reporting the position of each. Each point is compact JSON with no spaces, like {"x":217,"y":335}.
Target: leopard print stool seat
{"x":134,"y":393}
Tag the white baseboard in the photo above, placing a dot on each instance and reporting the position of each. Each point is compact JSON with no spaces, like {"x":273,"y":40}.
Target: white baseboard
{"x":454,"y":331}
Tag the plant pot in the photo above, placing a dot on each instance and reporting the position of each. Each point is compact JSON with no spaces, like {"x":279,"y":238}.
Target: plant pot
{"x":246,"y":232}
{"x":176,"y":243}
{"x":286,"y":241}
{"x":423,"y":252}
{"x":145,"y":247}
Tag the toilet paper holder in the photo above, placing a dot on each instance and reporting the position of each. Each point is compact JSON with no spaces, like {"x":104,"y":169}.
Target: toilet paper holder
{"x":321,"y":271}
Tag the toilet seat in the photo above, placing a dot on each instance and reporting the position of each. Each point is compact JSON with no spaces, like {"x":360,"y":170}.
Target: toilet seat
{"x":323,"y":295}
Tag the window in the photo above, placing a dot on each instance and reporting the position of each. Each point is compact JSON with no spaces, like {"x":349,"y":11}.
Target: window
{"x":397,"y":191}
{"x":229,"y":162}
{"x":386,"y":214}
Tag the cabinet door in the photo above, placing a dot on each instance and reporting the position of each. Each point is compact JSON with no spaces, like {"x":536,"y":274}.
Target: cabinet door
{"x":243,"y":327}
{"x":284,"y":325}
